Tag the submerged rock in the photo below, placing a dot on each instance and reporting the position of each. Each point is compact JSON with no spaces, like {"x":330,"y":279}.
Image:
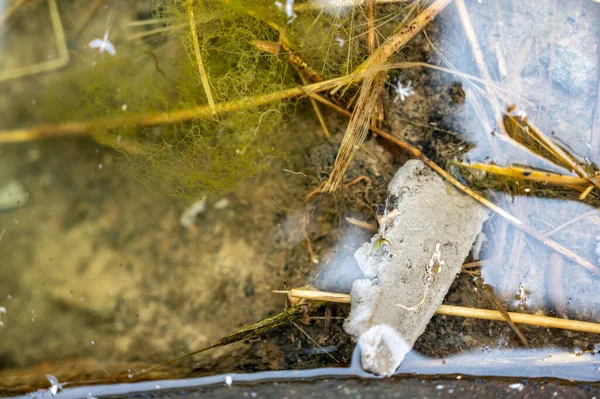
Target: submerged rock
{"x":426,"y":232}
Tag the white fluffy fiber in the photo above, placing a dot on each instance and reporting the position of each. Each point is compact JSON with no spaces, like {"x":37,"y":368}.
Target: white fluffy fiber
{"x":337,"y":7}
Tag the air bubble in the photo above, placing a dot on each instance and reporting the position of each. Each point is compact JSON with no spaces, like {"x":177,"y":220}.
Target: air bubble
{"x":429,"y":279}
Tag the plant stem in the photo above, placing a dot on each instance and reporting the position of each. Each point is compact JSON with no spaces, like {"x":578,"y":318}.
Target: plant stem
{"x":72,"y":129}
{"x":201,"y":70}
{"x":462,"y":311}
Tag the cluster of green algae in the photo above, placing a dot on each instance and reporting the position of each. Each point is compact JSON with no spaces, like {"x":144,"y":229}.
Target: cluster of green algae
{"x":208,"y":155}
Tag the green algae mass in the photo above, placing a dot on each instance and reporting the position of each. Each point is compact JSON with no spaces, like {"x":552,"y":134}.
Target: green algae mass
{"x":209,"y":155}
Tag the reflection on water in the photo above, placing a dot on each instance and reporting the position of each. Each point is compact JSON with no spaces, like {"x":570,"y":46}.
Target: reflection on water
{"x":98,"y":273}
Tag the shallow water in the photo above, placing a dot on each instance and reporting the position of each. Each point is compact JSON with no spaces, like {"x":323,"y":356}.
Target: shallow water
{"x":535,"y":364}
{"x":99,"y":278}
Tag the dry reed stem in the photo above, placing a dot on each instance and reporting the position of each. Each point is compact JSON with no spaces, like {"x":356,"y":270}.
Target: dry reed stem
{"x":362,"y":225}
{"x":283,"y":37}
{"x":527,"y":174}
{"x":357,"y":129}
{"x":500,"y":308}
{"x":461,"y":311}
{"x":358,"y":180}
{"x":465,"y":19}
{"x":315,"y":295}
{"x":314,"y":192}
{"x":377,"y":114}
{"x":547,"y":144}
{"x":393,"y":43}
{"x":45,"y":66}
{"x":513,"y":220}
{"x":586,"y":192}
{"x":501,"y":62}
{"x":473,"y":273}
{"x":370,"y":4}
{"x":520,"y":318}
{"x":73,"y":129}
{"x":196,"y":44}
